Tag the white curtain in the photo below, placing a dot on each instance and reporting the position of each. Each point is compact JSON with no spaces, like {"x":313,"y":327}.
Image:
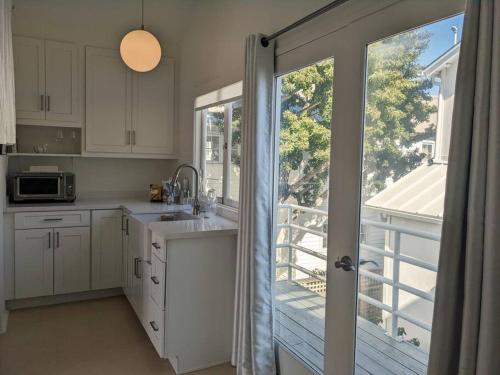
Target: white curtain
{"x":7,"y":104}
{"x":253,"y":344}
{"x":466,"y":323}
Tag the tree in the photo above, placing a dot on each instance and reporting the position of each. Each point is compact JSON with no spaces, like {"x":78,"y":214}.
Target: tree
{"x":397,"y":100}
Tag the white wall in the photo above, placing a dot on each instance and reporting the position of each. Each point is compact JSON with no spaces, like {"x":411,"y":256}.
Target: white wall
{"x":213,"y":49}
{"x":103,"y":176}
{"x":102,"y":23}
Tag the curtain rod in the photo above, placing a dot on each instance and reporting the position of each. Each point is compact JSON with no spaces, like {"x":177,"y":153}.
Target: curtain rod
{"x":265,"y":40}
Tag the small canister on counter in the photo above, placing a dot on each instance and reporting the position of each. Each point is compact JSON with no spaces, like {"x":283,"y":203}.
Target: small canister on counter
{"x":155,"y":193}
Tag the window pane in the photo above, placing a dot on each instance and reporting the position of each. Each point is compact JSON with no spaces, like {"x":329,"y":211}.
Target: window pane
{"x":214,"y":149}
{"x":305,"y":99}
{"x":235,"y":150}
{"x":410,"y":86}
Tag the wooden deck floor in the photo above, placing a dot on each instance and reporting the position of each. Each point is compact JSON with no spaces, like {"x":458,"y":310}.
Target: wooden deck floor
{"x":300,"y":325}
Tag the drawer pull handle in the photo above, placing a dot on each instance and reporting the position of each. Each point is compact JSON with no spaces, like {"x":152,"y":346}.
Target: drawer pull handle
{"x":156,"y":245}
{"x":155,"y":280}
{"x":154,"y":326}
{"x":53,"y":219}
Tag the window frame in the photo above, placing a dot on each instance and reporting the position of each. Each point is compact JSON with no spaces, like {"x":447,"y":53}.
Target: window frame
{"x":226,"y":97}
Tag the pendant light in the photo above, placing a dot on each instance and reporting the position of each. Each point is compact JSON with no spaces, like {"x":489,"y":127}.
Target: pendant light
{"x":139,"y":49}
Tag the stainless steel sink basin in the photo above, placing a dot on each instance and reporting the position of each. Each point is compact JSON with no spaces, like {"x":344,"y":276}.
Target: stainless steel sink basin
{"x":178,"y":216}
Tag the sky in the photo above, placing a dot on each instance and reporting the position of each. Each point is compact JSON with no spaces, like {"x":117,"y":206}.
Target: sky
{"x":442,"y":37}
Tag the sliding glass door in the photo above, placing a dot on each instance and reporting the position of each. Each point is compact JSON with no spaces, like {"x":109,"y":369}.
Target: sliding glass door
{"x":361,"y":160}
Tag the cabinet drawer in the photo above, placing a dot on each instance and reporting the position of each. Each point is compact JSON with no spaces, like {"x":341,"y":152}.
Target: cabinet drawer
{"x":158,"y":247}
{"x":52,"y":219}
{"x":155,"y":327}
{"x":157,"y":282}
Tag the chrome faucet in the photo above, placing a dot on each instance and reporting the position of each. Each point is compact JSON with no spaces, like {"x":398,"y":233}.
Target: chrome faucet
{"x":196,"y":201}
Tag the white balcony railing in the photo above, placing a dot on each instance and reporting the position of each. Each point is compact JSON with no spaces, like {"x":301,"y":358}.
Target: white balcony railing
{"x":393,"y":253}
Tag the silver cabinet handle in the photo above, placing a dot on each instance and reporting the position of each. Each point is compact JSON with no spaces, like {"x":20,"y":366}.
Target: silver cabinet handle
{"x":48,"y":103}
{"x":57,"y":236}
{"x":135,"y":267}
{"x":126,"y":228}
{"x":156,"y":245}
{"x":129,"y":137}
{"x":154,"y":326}
{"x":155,"y":280}
{"x":50,"y":235}
{"x":139,"y":273}
{"x":133,"y":137}
{"x":53,"y":219}
{"x":42,"y":102}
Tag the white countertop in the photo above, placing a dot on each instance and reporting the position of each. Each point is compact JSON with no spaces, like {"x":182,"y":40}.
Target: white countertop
{"x":131,"y":205}
{"x":215,"y":226}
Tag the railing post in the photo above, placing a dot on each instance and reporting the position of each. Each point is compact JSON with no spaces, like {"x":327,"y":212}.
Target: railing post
{"x":395,"y":282}
{"x":289,"y":235}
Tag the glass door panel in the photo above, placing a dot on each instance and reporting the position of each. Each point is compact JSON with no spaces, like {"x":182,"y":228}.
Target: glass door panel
{"x":304,"y":100}
{"x":409,"y":91}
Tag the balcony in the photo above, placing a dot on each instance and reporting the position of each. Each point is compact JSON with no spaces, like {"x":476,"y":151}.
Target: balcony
{"x":382,"y":345}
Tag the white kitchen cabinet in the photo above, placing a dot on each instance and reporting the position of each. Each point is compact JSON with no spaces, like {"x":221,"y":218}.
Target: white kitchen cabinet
{"x":127,"y":113}
{"x":29,"y":70}
{"x":33,"y":263}
{"x":106,"y":249}
{"x":71,"y":260}
{"x":152,"y":110}
{"x":51,"y":257}
{"x":47,"y":82}
{"x":61,"y":82}
{"x":108,"y":95}
{"x":133,"y":290}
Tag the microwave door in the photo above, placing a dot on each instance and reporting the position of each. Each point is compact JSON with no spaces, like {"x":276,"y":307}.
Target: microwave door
{"x":39,"y":187}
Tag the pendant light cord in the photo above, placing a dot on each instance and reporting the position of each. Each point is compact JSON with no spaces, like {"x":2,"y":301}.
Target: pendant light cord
{"x":142,"y":15}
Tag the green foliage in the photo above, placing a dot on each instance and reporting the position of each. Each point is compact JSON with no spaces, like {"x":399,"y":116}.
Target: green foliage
{"x":397,"y":100}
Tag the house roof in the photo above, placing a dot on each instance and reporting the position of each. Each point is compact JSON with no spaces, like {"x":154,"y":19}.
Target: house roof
{"x":420,"y":192}
{"x":443,"y":61}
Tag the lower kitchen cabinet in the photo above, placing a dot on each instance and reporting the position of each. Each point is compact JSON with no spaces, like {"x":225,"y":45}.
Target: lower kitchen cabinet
{"x":51,"y":256}
{"x":34,"y":261}
{"x":134,"y":250}
{"x":71,"y":260}
{"x":107,"y":249}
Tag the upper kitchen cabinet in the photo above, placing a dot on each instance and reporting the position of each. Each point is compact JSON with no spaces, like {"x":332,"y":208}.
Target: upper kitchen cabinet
{"x":47,"y":82}
{"x":128,"y":114}
{"x":152,"y":109}
{"x":108,"y":93}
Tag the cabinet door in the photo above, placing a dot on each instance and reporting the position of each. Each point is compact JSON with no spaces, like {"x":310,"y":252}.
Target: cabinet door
{"x":125,"y":268}
{"x":71,"y":260}
{"x":33,"y":263}
{"x":108,"y":102}
{"x":29,"y":70}
{"x":106,"y":249}
{"x":61,"y":81}
{"x":135,"y":266}
{"x":153,"y":110}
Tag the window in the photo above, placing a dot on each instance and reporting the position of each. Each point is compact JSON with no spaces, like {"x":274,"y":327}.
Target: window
{"x":219,"y":142}
{"x":304,"y":126}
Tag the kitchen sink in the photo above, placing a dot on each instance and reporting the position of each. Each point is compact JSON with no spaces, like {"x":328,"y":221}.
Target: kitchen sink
{"x":167,"y":216}
{"x":178,"y":216}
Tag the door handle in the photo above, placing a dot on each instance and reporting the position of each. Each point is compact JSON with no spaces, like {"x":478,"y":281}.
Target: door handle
{"x":42,"y":102}
{"x":50,"y":235}
{"x":133,"y":137}
{"x":154,"y":326}
{"x":135,"y":267}
{"x":126,"y":227}
{"x":57,"y":237}
{"x":53,"y":219}
{"x":155,"y":280}
{"x":48,"y":103}
{"x":345,"y":263}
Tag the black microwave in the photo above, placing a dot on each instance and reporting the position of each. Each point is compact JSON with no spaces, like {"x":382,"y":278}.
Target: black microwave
{"x":43,"y":186}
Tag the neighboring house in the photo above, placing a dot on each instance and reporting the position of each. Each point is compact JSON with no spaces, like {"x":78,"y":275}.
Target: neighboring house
{"x":416,"y":202}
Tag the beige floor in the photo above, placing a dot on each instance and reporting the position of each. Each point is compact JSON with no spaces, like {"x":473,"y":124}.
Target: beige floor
{"x":101,"y":337}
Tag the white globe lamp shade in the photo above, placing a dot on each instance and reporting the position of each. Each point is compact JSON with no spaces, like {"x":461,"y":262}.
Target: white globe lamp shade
{"x":140,"y":51}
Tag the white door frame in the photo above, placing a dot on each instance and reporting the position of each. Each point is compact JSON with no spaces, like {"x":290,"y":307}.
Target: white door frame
{"x":345,"y":34}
